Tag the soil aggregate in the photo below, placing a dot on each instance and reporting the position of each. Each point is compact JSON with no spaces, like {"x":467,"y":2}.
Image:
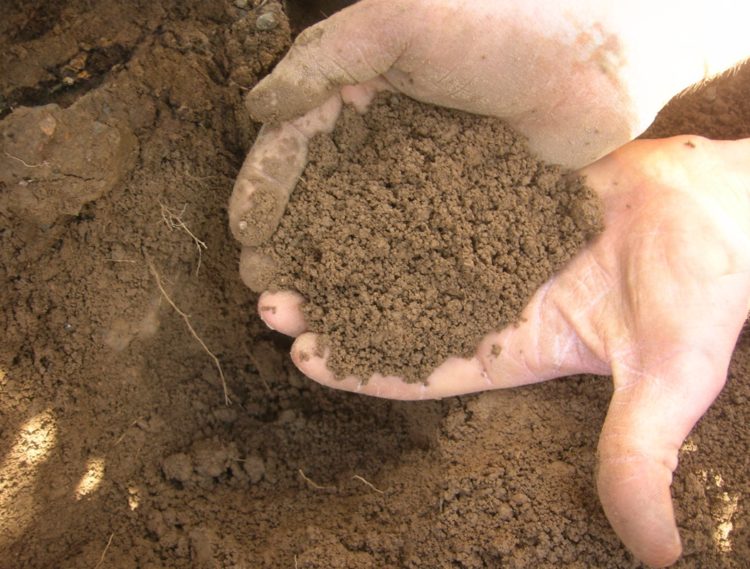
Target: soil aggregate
{"x":417,"y":230}
{"x":116,"y":448}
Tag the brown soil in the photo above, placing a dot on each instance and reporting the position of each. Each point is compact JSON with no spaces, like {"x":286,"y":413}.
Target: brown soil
{"x":115,"y":444}
{"x":417,"y":230}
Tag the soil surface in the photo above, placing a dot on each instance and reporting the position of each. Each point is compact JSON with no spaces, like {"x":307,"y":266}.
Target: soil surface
{"x":116,"y":447}
{"x":417,"y":230}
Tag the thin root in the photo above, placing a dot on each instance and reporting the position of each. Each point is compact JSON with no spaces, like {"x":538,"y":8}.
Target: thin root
{"x":174,"y":221}
{"x":133,"y":424}
{"x":310,"y":482}
{"x":45,"y":163}
{"x":257,"y":366}
{"x":185,"y":317}
{"x":355,"y":477}
{"x":101,"y":559}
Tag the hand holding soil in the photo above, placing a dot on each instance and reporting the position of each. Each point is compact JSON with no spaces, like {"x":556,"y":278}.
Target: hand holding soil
{"x":117,"y":447}
{"x":578,"y":79}
{"x":417,"y":230}
{"x":642,"y":302}
{"x":658,"y":301}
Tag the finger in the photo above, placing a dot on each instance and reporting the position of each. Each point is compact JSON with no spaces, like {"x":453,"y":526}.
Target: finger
{"x":457,"y":376}
{"x":325,"y":57}
{"x":281,"y":311}
{"x":362,"y":94}
{"x":270,"y":173}
{"x":256,"y":269}
{"x":650,"y":415}
{"x":542,"y":346}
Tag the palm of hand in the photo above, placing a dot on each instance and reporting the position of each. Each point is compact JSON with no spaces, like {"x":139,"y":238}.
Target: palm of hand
{"x":657,"y":300}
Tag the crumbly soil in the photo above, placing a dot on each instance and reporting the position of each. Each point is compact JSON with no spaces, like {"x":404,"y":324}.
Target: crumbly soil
{"x":417,"y":230}
{"x":116,"y":447}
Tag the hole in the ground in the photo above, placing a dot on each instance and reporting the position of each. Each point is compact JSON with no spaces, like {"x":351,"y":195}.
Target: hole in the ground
{"x":304,"y":13}
{"x":84,"y":72}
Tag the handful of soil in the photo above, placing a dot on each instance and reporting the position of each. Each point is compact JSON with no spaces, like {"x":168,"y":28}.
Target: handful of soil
{"x":417,"y":230}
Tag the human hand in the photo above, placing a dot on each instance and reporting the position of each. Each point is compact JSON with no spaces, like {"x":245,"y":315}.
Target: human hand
{"x":578,"y":78}
{"x":658,"y":301}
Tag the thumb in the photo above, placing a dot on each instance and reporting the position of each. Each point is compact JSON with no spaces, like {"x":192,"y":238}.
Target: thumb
{"x":650,"y":415}
{"x":354,"y":45}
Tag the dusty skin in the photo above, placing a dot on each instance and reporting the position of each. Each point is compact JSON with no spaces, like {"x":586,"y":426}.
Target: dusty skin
{"x":115,"y":444}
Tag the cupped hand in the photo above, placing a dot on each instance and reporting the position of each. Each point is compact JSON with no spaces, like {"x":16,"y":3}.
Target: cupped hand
{"x":578,"y":78}
{"x":657,"y":301}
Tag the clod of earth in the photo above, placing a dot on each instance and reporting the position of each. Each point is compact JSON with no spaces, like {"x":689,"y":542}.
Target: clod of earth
{"x":53,"y":161}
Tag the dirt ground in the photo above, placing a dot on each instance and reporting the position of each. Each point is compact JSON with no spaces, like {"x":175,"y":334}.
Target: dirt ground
{"x":116,"y":447}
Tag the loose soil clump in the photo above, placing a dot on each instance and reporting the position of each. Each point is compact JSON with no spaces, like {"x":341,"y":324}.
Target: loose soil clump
{"x":417,"y":230}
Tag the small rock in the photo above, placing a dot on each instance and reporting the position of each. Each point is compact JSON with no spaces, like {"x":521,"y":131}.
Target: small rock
{"x":562,"y":468}
{"x":48,"y":124}
{"x":183,"y":548}
{"x":225,"y":414}
{"x":710,"y":94}
{"x":211,"y":459}
{"x":266,"y":21}
{"x":287,"y":416}
{"x":201,"y":547}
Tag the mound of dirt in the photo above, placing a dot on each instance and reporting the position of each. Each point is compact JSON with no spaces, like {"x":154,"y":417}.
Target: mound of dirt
{"x":417,"y":230}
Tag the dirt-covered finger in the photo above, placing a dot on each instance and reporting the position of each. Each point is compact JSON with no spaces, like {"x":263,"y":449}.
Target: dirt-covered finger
{"x":255,"y":209}
{"x":281,"y":312}
{"x":265,"y":183}
{"x":256,"y":269}
{"x":270,"y":173}
{"x":355,"y":45}
{"x":312,"y":360}
{"x":456,"y":376}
